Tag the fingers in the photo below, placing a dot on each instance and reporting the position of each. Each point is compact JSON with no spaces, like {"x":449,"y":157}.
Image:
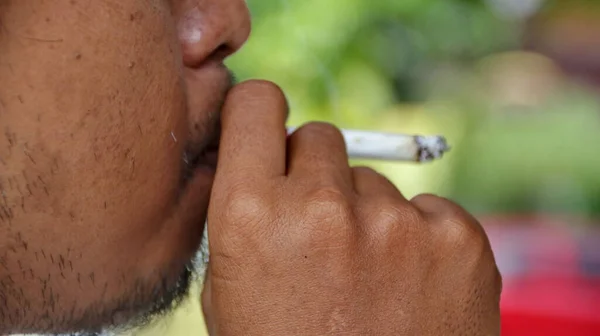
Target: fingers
{"x":453,"y":222}
{"x":317,"y":151}
{"x":369,"y":183}
{"x":253,"y":137}
{"x":438,"y":207}
{"x":385,"y":200}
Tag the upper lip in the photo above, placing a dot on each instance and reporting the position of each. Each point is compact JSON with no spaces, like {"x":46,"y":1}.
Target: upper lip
{"x":204,"y":153}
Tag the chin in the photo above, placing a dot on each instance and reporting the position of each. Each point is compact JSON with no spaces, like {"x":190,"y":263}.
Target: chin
{"x":153,"y":301}
{"x":164,"y":282}
{"x":165,"y":295}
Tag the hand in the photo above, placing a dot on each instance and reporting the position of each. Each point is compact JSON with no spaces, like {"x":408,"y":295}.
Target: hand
{"x":303,"y":244}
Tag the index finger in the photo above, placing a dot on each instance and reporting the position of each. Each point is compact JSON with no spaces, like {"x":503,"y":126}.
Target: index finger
{"x":253,"y":132}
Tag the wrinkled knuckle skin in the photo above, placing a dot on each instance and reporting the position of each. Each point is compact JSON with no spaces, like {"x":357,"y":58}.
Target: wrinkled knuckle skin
{"x":244,"y":225}
{"x":245,"y":206}
{"x":395,"y":217}
{"x":328,"y":204}
{"x":461,"y":233}
{"x":431,"y":202}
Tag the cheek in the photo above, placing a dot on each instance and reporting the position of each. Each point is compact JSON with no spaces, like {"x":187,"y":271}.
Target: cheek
{"x":91,"y":189}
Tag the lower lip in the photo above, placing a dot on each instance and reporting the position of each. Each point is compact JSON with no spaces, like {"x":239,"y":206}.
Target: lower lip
{"x":207,"y":164}
{"x":211,"y":158}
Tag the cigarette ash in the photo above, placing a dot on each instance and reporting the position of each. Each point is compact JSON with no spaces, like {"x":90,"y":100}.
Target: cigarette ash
{"x":431,"y":147}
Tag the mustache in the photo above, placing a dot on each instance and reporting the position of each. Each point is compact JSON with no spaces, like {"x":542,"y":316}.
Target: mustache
{"x":194,"y":151}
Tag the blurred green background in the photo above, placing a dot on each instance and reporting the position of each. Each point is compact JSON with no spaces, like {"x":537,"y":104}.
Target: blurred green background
{"x":513,"y":85}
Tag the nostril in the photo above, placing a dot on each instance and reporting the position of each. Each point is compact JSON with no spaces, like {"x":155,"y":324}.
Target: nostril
{"x":214,"y":33}
{"x":222,"y":52}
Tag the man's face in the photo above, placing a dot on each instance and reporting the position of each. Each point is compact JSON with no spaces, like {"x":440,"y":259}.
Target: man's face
{"x":114,"y":245}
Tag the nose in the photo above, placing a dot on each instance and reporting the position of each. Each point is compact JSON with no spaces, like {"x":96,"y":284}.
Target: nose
{"x":211,"y":29}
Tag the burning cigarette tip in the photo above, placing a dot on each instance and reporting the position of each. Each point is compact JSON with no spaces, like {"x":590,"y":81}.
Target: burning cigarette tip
{"x":431,"y":147}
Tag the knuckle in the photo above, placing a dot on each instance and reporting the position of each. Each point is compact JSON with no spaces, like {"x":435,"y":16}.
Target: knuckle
{"x":457,"y":226}
{"x":245,"y":205}
{"x":463,"y":233}
{"x":322,"y":129}
{"x":364,"y":171}
{"x":388,"y":218}
{"x":425,"y":198}
{"x":440,"y":206}
{"x":327,"y":204}
{"x":395,"y":214}
{"x":409,"y":214}
{"x":430,"y":203}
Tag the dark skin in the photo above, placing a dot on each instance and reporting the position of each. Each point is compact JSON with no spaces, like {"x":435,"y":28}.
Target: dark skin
{"x":109,"y":113}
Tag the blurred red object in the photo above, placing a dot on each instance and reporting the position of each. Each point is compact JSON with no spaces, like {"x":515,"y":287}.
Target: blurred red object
{"x":551,"y":275}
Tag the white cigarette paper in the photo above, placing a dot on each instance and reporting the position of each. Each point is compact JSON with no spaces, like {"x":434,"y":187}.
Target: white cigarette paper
{"x":392,"y":146}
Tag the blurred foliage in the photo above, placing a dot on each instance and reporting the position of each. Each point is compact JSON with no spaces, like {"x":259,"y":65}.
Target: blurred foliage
{"x":523,"y":134}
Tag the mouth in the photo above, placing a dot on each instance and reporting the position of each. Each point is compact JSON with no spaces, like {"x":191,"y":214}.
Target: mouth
{"x":207,"y":158}
{"x":202,"y":157}
{"x":202,"y":153}
{"x":202,"y":164}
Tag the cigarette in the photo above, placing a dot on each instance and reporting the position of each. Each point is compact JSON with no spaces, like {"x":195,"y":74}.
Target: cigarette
{"x":393,"y":146}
